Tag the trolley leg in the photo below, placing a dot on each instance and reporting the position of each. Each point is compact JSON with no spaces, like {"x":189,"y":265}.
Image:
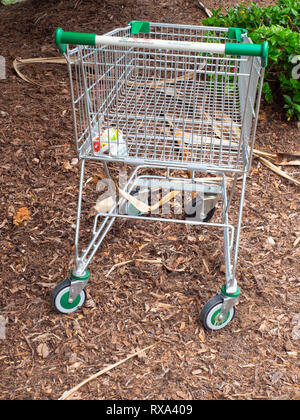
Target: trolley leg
{"x":107,"y":173}
{"x":231,"y":285}
{"x":69,"y":295}
{"x":82,"y":259}
{"x":99,"y":232}
{"x":232,"y":190}
{"x":239,"y":222}
{"x":77,"y":259}
{"x":230,"y":291}
{"x":220,"y":310}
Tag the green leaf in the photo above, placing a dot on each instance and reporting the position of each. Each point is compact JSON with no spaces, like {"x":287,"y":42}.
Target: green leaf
{"x":267,"y":92}
{"x":287,"y":99}
{"x":296,"y":107}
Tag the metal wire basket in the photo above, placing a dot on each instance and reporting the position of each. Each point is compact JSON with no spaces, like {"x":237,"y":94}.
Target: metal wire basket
{"x":170,"y":97}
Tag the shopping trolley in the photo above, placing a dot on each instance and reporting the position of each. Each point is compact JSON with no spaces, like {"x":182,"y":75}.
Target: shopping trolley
{"x":173,"y":102}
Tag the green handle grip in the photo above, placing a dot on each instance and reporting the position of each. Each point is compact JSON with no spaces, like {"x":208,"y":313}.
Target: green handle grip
{"x":62,"y":38}
{"x":258,"y":50}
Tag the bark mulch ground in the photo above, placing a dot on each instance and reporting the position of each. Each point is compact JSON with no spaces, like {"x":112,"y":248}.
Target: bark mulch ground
{"x":140,"y":303}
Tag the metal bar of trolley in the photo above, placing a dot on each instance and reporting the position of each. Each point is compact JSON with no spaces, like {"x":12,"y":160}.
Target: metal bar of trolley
{"x":179,"y":103}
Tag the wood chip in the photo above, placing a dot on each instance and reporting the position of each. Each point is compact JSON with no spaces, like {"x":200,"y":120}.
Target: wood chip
{"x":66,"y":395}
{"x":297,"y":241}
{"x":291,"y":159}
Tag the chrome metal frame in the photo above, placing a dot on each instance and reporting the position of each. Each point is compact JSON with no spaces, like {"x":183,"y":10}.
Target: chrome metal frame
{"x":176,"y":110}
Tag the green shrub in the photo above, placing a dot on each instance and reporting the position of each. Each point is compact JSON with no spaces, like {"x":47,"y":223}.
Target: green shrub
{"x":279,"y":26}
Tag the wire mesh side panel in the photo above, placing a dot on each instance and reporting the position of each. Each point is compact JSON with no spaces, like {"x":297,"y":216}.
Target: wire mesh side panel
{"x":248,"y":94}
{"x":173,"y":107}
{"x":96,"y":77}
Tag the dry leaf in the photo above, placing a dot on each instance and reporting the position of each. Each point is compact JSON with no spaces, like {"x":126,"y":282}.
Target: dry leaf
{"x":162,"y":83}
{"x":263,"y":327}
{"x":48,"y":285}
{"x":161,"y":305}
{"x":68,"y":167}
{"x":43,"y":350}
{"x":203,"y":349}
{"x":18,"y":63}
{"x":142,"y":207}
{"x":21,"y":215}
{"x":270,"y":241}
{"x":205,"y":9}
{"x":193,"y":139}
{"x":262,"y":116}
{"x":73,"y":366}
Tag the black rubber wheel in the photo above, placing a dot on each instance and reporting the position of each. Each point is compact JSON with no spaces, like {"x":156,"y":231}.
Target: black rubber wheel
{"x":210,"y":312}
{"x":192,"y":215}
{"x":60,"y":295}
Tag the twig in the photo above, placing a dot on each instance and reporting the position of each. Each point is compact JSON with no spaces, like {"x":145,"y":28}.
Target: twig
{"x":39,"y":18}
{"x":117,"y":265}
{"x":18,"y":63}
{"x":149,"y":261}
{"x":158,"y":261}
{"x":205,"y":9}
{"x":145,"y":208}
{"x":77,"y":3}
{"x":297,"y":241}
{"x":205,"y":265}
{"x":278,"y":171}
{"x":260,"y":153}
{"x":67,"y":394}
{"x":30,"y":347}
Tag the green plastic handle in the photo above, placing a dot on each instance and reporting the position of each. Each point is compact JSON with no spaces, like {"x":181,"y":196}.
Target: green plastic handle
{"x":258,"y":50}
{"x":62,"y":38}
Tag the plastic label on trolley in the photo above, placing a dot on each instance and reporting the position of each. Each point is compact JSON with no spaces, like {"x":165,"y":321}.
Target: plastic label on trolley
{"x":110,"y":140}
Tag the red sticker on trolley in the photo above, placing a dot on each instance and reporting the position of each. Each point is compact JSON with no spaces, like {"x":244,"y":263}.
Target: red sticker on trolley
{"x":96,"y":144}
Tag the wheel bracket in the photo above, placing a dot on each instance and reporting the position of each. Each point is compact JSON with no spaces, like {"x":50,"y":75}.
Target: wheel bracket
{"x":77,"y":285}
{"x":228,"y":303}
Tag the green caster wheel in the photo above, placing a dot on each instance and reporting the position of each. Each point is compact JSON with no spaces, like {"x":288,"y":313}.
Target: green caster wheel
{"x":210,"y":313}
{"x":60,"y":296}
